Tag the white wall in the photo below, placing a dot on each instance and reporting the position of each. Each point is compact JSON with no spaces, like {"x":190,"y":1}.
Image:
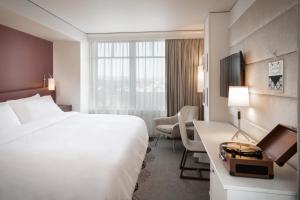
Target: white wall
{"x":84,"y":76}
{"x":218,"y":50}
{"x":66,"y":70}
{"x":206,"y":74}
{"x":70,"y":69}
{"x":216,"y":45}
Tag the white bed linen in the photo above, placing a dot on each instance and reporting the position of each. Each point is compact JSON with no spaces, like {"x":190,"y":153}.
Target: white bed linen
{"x":34,"y":109}
{"x":72,"y":156}
{"x":8,"y":117}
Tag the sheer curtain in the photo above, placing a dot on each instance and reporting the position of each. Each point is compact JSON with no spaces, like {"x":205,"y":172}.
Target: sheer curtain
{"x":128,"y":78}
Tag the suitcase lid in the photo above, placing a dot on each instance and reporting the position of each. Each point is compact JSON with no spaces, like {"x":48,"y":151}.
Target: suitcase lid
{"x":280,"y":144}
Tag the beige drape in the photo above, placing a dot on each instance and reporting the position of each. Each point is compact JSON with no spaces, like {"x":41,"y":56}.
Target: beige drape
{"x":182,"y":60}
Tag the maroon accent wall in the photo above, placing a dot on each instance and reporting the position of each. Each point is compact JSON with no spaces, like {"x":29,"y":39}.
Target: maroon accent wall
{"x":24,"y":59}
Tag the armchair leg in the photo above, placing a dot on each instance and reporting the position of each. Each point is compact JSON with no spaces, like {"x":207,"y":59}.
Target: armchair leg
{"x":157,"y":140}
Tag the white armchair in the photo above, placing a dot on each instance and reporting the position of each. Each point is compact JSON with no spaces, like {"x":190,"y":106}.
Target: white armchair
{"x":169,"y":127}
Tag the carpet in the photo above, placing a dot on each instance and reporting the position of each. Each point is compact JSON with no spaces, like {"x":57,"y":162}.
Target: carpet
{"x":159,"y":180}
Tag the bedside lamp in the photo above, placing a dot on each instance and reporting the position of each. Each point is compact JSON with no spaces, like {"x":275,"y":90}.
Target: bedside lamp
{"x":51,"y":84}
{"x":238,"y":97}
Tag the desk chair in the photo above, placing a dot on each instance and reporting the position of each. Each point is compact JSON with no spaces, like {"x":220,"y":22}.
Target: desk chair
{"x":191,"y":146}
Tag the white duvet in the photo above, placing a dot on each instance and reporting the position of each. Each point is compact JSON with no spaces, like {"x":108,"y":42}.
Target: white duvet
{"x":72,"y":156}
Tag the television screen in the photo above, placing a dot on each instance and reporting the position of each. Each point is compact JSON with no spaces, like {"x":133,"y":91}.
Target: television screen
{"x":232,"y":72}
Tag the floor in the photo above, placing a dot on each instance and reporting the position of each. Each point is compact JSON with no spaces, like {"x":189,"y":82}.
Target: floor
{"x":160,"y":179}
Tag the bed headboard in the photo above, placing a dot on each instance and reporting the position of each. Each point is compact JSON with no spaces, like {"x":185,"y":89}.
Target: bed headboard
{"x":11,"y":95}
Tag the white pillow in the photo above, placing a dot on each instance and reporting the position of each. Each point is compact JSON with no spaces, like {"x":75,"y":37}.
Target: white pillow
{"x":7,"y":117}
{"x":35,"y":109}
{"x":15,"y":104}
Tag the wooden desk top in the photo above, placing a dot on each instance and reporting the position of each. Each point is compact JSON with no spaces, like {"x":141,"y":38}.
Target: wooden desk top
{"x":214,"y":133}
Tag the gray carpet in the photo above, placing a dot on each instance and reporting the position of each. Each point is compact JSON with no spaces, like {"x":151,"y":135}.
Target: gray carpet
{"x":160,"y":179}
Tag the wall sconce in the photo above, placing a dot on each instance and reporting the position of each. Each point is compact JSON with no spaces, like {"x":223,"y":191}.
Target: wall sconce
{"x":238,"y":97}
{"x":51,"y":83}
{"x":200,"y":79}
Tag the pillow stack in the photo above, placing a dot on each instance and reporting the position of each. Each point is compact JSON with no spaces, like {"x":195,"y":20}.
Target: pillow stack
{"x":34,"y":108}
{"x":17,"y":112}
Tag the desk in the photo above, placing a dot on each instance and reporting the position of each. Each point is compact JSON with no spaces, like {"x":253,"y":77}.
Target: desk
{"x":226,"y":187}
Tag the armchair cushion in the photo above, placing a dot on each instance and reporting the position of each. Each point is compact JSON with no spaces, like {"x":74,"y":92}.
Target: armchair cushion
{"x":166,"y":120}
{"x":166,"y":128}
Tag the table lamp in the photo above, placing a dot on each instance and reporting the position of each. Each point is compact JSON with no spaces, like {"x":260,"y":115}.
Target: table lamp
{"x":238,"y":97}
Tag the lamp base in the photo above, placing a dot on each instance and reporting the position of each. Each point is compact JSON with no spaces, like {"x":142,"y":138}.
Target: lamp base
{"x":236,"y":135}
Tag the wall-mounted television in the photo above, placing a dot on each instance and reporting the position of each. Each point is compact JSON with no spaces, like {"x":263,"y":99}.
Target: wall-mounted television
{"x":232,"y":72}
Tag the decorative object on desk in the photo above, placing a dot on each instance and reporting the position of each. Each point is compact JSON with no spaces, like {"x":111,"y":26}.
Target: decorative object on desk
{"x":275,"y":81}
{"x":200,"y":79}
{"x":246,"y":160}
{"x":238,"y":97}
{"x":280,"y":144}
{"x":283,"y":186}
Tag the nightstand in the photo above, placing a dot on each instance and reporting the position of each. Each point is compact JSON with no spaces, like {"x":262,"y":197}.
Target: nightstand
{"x":65,"y":108}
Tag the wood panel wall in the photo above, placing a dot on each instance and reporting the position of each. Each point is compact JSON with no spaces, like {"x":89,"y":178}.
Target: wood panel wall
{"x":266,"y":27}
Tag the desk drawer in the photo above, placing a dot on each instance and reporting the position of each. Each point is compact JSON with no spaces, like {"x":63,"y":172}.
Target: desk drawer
{"x":216,"y":191}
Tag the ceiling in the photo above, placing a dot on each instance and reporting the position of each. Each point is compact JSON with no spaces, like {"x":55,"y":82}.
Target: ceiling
{"x":11,"y":19}
{"x":111,"y":16}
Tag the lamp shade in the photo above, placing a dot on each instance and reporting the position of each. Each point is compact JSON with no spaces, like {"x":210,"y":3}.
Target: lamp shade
{"x":238,"y":96}
{"x":200,"y":79}
{"x":51,"y":84}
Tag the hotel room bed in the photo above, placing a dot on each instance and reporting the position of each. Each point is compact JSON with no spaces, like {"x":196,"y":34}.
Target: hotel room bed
{"x":72,"y":156}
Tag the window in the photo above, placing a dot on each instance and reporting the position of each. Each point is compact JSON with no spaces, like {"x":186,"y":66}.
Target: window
{"x":129,"y":78}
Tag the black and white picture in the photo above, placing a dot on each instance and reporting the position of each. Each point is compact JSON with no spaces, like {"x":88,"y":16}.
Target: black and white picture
{"x":275,"y":81}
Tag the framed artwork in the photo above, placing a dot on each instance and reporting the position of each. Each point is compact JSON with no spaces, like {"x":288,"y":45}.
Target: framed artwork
{"x":275,"y":76}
